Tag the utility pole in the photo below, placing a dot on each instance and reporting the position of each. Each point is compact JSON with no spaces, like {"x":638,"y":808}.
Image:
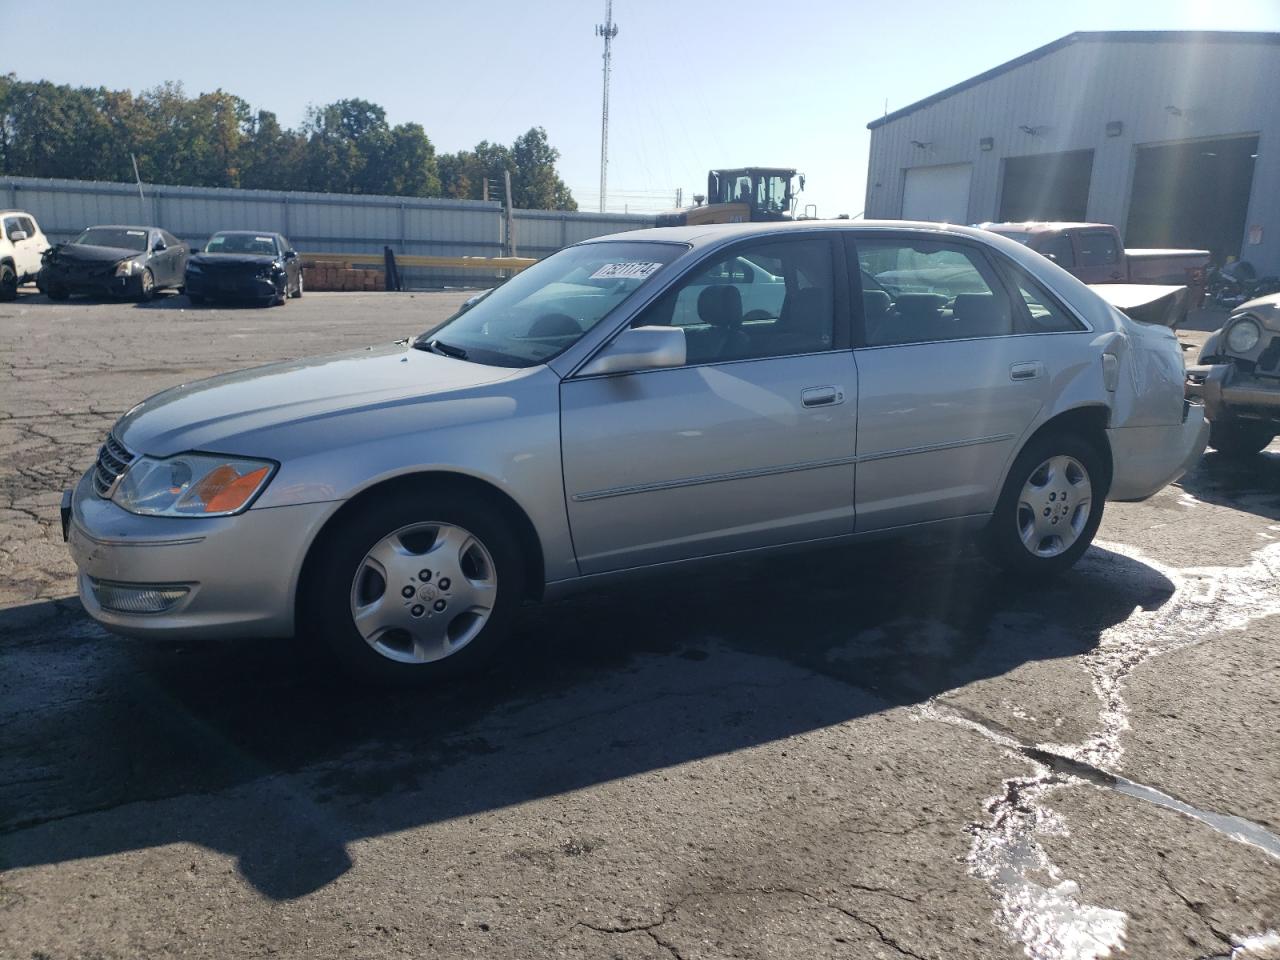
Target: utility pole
{"x":608,"y":30}
{"x":511,"y":230}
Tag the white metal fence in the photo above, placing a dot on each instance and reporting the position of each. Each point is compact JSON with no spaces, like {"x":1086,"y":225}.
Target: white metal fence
{"x":314,"y":222}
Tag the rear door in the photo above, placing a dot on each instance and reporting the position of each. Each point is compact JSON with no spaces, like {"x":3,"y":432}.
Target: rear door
{"x":948,"y":380}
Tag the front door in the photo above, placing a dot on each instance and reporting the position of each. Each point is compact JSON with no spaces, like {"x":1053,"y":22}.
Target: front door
{"x":750,"y":444}
{"x":954,"y":368}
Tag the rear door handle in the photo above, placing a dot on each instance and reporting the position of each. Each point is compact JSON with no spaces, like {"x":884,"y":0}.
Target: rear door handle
{"x":822,"y":396}
{"x":1030,"y":370}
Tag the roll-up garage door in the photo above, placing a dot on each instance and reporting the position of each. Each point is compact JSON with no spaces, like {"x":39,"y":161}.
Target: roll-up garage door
{"x":937,"y":193}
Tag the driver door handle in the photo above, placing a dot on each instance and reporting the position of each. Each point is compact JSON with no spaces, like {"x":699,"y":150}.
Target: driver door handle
{"x":822,"y":396}
{"x":1031,"y":370}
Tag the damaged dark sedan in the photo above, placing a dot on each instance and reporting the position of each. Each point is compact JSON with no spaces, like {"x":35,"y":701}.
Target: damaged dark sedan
{"x":114,"y":261}
{"x":245,"y":265}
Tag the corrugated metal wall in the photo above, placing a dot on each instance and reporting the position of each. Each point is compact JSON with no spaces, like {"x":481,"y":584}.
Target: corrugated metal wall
{"x":314,"y":222}
{"x":1068,"y":96}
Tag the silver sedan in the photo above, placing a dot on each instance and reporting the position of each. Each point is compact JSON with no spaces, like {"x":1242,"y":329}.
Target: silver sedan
{"x":653,"y":398}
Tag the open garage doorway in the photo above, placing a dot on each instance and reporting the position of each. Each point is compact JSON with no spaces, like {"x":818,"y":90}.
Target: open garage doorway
{"x":1052,"y":186}
{"x":1193,"y":194}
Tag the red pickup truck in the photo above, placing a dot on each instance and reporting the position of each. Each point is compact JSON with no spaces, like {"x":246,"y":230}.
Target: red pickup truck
{"x":1094,"y":253}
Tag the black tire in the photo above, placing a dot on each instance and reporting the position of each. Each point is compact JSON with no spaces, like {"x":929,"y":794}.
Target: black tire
{"x":325,"y":612}
{"x":58,"y":293}
{"x":146,"y":286}
{"x":1240,"y":438}
{"x":8,"y":283}
{"x":1002,"y":539}
{"x":195,"y":299}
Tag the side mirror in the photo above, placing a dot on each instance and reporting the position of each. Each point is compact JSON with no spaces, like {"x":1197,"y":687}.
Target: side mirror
{"x":159,"y":247}
{"x":639,"y":348}
{"x":17,"y":235}
{"x":291,"y":254}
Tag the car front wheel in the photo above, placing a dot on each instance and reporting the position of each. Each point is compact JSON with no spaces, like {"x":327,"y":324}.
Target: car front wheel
{"x":412,"y":588}
{"x":1235,"y":438}
{"x":147,"y":285}
{"x":1050,"y":507}
{"x":8,"y":283}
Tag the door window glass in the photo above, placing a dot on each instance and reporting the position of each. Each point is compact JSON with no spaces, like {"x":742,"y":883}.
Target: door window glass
{"x":1043,"y":313}
{"x":1098,"y":248}
{"x":916,"y":291}
{"x":11,"y":226}
{"x":766,"y":300}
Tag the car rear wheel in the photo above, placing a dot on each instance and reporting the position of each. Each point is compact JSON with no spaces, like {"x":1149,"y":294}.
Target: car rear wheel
{"x":416,"y":587}
{"x":1237,"y":438}
{"x":8,"y":283}
{"x":1050,"y":507}
{"x":58,"y":293}
{"x":147,"y":286}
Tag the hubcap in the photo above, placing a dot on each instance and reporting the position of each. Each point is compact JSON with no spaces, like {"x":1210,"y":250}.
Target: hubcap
{"x":423,"y":592}
{"x":147,"y":283}
{"x":1054,"y":506}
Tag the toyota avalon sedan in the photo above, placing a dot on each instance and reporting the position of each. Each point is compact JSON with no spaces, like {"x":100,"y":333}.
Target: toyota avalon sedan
{"x":633,"y":402}
{"x":245,"y":265}
{"x":114,"y":262}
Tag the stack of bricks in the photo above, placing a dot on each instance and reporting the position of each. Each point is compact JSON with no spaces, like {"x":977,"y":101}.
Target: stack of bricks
{"x":341,"y":275}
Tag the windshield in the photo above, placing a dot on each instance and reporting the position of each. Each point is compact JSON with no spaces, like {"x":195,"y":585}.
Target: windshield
{"x":255,"y":243}
{"x":546,"y":309}
{"x":122,"y":238}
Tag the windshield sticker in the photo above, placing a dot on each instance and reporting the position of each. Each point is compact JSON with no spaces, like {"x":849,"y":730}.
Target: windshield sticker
{"x":626,"y":271}
{"x":136,"y":233}
{"x":262,"y":239}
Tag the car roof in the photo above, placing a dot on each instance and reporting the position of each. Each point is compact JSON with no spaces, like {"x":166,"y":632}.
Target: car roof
{"x":1043,"y":226}
{"x":711,"y":234}
{"x":245,"y":233}
{"x":117,"y":226}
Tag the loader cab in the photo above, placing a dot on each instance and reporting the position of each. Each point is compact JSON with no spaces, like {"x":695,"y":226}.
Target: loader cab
{"x":745,"y":195}
{"x":767,"y":192}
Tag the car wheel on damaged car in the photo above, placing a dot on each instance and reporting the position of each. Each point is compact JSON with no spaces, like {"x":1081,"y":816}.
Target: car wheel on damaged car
{"x":611,"y":410}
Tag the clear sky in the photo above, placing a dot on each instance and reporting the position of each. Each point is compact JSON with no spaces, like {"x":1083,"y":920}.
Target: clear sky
{"x":696,"y":84}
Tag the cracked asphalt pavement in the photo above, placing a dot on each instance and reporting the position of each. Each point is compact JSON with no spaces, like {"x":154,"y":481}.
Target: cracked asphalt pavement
{"x":875,"y":753}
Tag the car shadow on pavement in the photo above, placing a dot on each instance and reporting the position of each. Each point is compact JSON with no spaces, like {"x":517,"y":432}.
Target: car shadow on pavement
{"x":281,"y":767}
{"x":1250,"y":484}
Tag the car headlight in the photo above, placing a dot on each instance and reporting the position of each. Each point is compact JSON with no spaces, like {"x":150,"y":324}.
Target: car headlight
{"x":192,"y":485}
{"x":125,"y":268}
{"x":1243,"y":336}
{"x":266,"y":273}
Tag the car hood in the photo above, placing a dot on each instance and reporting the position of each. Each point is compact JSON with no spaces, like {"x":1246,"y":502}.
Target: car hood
{"x":275,"y":410}
{"x":231,"y":259}
{"x":88,"y":253}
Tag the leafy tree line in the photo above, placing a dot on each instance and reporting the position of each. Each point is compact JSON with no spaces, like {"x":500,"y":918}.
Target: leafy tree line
{"x":217,"y":140}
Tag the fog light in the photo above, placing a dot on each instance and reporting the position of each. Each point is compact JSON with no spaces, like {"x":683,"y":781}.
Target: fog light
{"x":136,"y":597}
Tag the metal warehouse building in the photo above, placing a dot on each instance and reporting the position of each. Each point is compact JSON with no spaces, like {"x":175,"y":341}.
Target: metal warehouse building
{"x":1174,"y":137}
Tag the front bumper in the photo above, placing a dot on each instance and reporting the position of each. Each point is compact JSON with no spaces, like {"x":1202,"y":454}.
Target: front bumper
{"x":215,"y":287}
{"x":1146,"y":459}
{"x":98,"y":286}
{"x":240,"y":572}
{"x":1226,"y":392}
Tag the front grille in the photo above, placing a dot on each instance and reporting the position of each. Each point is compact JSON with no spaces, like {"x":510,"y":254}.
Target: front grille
{"x":113,"y":459}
